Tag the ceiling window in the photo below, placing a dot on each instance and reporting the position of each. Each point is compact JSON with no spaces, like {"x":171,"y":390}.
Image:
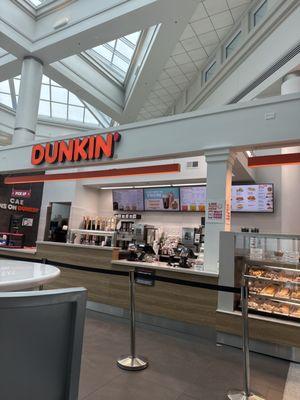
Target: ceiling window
{"x":116,"y":55}
{"x":5,"y":95}
{"x":260,"y":13}
{"x":209,"y":73}
{"x":59,"y":103}
{"x":233,"y":45}
{"x":36,"y":3}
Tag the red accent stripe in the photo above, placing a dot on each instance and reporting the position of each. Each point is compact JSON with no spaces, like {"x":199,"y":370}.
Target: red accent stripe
{"x":274,"y":160}
{"x":153,"y":169}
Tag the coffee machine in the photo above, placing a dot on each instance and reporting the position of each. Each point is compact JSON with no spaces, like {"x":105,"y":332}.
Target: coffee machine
{"x":144,"y":234}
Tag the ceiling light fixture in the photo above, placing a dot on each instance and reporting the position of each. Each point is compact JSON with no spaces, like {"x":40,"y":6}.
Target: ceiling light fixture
{"x":61,"y":23}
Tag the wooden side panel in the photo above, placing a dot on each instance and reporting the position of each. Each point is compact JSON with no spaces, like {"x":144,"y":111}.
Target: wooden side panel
{"x":282,"y":333}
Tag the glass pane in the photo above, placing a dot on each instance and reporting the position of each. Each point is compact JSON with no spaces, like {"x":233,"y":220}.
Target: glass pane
{"x":59,"y":110}
{"x":117,"y":54}
{"x":45,"y":92}
{"x":59,"y":94}
{"x":5,"y":99}
{"x":118,"y":62}
{"x":17,"y":85}
{"x":74,"y":100}
{"x":76,"y":113}
{"x":133,"y":37}
{"x":234,"y":44}
{"x":260,"y":13}
{"x":210,"y":72}
{"x":4,"y":87}
{"x":104,"y":52}
{"x":124,"y":49}
{"x":45,"y":80}
{"x":89,"y":118}
{"x":44,"y":108}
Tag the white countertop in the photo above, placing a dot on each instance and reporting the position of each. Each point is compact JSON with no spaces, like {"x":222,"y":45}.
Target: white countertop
{"x":21,"y":275}
{"x":25,"y":250}
{"x":164,"y":267}
{"x":78,"y":245}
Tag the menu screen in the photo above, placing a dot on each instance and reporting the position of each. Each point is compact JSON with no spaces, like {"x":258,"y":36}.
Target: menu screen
{"x":253,"y":198}
{"x":161,"y":199}
{"x":128,"y":200}
{"x":192,"y":198}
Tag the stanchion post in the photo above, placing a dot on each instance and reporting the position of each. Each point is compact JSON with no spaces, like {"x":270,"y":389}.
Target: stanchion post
{"x":246,"y":394}
{"x":132,"y":362}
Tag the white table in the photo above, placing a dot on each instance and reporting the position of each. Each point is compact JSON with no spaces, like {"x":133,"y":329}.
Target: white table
{"x":21,"y":275}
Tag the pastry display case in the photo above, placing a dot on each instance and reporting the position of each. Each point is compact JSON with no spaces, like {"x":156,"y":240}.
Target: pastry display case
{"x":274,"y":288}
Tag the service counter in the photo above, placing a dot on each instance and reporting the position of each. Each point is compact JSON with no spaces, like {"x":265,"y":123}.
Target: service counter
{"x":173,"y":302}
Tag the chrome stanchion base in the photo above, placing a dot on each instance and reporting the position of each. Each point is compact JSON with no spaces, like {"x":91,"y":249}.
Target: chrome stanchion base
{"x":132,"y":363}
{"x":240,"y":395}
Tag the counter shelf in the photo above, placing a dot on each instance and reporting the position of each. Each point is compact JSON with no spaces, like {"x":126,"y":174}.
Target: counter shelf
{"x":87,"y":232}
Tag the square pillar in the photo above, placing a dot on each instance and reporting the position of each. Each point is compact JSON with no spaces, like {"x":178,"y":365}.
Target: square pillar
{"x":218,"y":203}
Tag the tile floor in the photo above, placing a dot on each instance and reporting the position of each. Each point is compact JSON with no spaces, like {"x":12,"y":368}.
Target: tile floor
{"x":181,"y":367}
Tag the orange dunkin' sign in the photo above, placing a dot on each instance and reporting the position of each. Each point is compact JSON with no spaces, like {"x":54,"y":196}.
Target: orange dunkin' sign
{"x":88,"y":148}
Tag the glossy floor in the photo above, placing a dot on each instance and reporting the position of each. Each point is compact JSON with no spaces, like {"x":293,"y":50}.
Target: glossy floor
{"x":181,"y":367}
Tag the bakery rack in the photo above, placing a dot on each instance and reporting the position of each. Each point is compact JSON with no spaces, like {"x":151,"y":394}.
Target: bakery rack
{"x":266,"y":279}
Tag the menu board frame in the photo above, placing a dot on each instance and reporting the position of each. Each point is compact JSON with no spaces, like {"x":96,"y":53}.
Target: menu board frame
{"x":163,"y":187}
{"x":119,"y":190}
{"x":257,"y":212}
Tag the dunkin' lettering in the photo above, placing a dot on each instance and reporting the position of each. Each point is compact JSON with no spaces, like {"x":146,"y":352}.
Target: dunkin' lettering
{"x":88,"y":148}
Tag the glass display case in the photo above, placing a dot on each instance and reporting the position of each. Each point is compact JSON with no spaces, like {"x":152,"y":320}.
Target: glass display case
{"x":274,"y":288}
{"x":270,"y":264}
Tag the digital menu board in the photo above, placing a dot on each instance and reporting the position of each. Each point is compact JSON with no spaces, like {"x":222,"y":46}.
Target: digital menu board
{"x":161,"y":199}
{"x":128,"y":200}
{"x":253,"y":198}
{"x":192,"y":198}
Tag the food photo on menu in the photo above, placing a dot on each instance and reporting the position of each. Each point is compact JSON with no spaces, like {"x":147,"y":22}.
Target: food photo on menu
{"x":161,"y":199}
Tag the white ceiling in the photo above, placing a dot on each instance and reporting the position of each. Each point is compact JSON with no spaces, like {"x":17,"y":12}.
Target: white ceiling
{"x":211,"y":22}
{"x":176,"y":43}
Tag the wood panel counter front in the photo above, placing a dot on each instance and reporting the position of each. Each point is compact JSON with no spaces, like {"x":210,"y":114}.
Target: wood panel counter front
{"x":182,"y":303}
{"x":178,"y":302}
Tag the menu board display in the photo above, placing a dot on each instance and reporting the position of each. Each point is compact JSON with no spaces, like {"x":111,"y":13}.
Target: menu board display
{"x":161,"y":199}
{"x":128,"y":200}
{"x":192,"y":198}
{"x":253,"y":198}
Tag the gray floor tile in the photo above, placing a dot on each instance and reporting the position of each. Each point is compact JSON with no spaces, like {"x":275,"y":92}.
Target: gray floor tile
{"x":181,"y":367}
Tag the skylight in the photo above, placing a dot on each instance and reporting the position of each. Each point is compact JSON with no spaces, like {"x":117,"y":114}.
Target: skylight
{"x":55,"y":102}
{"x":116,"y":55}
{"x":36,"y":3}
{"x":5,"y":95}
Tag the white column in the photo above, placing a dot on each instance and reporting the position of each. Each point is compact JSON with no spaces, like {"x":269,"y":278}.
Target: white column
{"x":28,"y":103}
{"x":290,"y":174}
{"x":219,"y":177}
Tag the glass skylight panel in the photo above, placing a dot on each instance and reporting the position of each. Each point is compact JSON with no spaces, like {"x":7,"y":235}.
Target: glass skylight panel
{"x":76,"y":113}
{"x":89,"y":118}
{"x":210,"y":72}
{"x":36,"y":3}
{"x":117,"y":54}
{"x":5,"y":95}
{"x":59,"y":95}
{"x":260,"y":13}
{"x":234,"y":44}
{"x":58,"y":102}
{"x":5,"y":99}
{"x":45,"y":92}
{"x":59,"y":110}
{"x":44,"y":108}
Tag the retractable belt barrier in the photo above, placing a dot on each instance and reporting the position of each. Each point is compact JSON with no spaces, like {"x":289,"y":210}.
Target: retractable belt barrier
{"x":132,"y":362}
